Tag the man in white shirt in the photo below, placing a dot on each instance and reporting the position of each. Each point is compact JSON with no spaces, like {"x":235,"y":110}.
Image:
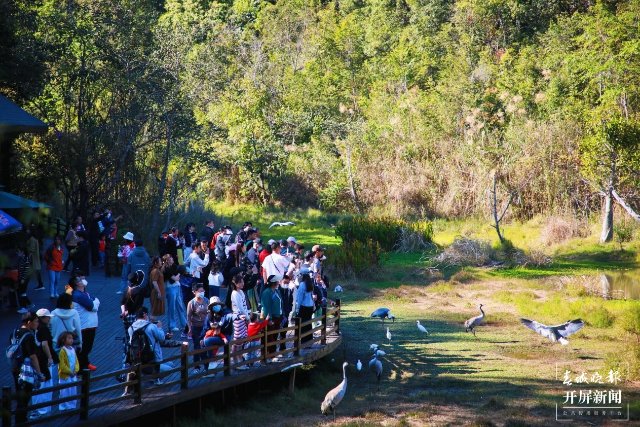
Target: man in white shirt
{"x":195,"y":263}
{"x":275,"y":264}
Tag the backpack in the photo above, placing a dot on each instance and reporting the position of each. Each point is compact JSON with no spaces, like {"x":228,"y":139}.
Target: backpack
{"x":14,"y":351}
{"x":140,"y":348}
{"x":212,"y":243}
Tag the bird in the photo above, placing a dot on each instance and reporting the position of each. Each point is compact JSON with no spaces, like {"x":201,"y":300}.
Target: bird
{"x":380,"y":353}
{"x":383,"y":313}
{"x":557,"y":333}
{"x":373,"y":347}
{"x":359,"y":365}
{"x":281,"y":224}
{"x":388,"y":334}
{"x":474,"y":321}
{"x":422,"y":328}
{"x":335,"y":395}
{"x":376,"y":364}
{"x":338,"y":288}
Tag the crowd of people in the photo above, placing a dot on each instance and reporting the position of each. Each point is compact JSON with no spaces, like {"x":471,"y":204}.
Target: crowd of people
{"x":202,"y":289}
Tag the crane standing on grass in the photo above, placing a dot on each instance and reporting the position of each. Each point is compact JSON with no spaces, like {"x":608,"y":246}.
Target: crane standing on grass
{"x":334,"y":397}
{"x":474,"y":321}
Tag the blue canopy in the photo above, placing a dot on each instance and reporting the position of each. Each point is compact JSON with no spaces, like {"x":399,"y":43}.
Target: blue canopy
{"x":8,"y":224}
{"x":11,"y":201}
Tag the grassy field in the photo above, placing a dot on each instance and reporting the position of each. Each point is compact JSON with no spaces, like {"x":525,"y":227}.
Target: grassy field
{"x":506,"y":375}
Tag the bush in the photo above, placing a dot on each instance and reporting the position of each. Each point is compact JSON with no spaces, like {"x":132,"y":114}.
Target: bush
{"x":623,"y":233}
{"x":385,"y":231}
{"x":558,"y":229}
{"x":629,"y":320}
{"x":465,"y":251}
{"x":353,"y":259}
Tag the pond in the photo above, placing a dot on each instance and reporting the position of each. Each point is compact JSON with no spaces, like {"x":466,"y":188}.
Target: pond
{"x":619,"y":285}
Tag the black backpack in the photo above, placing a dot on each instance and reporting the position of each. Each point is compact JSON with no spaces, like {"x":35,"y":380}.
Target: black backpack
{"x":140,"y":348}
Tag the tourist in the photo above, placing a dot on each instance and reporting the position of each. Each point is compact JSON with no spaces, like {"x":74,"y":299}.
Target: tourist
{"x":33,"y":250}
{"x":275,"y":264}
{"x":81,"y":258}
{"x":123,"y":256}
{"x":241,"y":313}
{"x":133,"y":299}
{"x":47,"y":359}
{"x":157,"y":339}
{"x":28,"y":348}
{"x":305,"y":304}
{"x":156,"y":278}
{"x":71,"y":241}
{"x":206,"y":235}
{"x":272,"y":307}
{"x":87,"y":307}
{"x":65,"y":318}
{"x":196,"y":263}
{"x":176,"y":316}
{"x":24,"y":272}
{"x":190,"y":237}
{"x":196,"y":315}
{"x":68,"y":368}
{"x":53,"y":257}
{"x":139,"y":260}
{"x":256,"y":326}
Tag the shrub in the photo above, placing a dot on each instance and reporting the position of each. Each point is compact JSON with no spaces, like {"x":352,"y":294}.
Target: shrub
{"x":623,"y":233}
{"x":629,"y":320}
{"x":385,"y":231}
{"x":353,"y":259}
{"x":465,"y":251}
{"x":558,"y":229}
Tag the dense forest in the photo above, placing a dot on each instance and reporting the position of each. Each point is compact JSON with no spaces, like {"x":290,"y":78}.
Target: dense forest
{"x":408,"y":107}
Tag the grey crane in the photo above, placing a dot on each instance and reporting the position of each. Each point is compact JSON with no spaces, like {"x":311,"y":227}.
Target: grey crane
{"x":383,"y":313}
{"x":281,"y":224}
{"x":335,"y":395}
{"x":557,"y":333}
{"x":474,"y":321}
{"x":376,"y":365}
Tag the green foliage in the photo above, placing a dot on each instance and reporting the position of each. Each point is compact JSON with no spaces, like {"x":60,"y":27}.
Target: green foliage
{"x":355,"y":258}
{"x":629,"y":320}
{"x":385,"y":231}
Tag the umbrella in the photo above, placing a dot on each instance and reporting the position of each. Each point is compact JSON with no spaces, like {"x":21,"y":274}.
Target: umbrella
{"x":8,"y":224}
{"x":11,"y":201}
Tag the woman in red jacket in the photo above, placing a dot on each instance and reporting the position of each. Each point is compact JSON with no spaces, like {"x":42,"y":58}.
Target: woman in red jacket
{"x":54,"y":259}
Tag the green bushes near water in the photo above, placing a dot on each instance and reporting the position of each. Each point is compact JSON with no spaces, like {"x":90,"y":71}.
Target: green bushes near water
{"x":385,"y":231}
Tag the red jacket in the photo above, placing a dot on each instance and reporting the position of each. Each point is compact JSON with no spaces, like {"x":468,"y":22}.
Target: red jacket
{"x":53,"y":257}
{"x":255,"y":328}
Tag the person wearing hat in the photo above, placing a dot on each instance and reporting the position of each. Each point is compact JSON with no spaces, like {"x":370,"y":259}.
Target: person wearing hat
{"x":26,"y":334}
{"x":272,"y":309}
{"x":291,"y":245}
{"x":139,"y":260}
{"x":47,"y":359}
{"x":123,"y":255}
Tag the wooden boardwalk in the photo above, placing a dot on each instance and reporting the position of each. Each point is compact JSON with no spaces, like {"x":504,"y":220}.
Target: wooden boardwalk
{"x":102,"y":403}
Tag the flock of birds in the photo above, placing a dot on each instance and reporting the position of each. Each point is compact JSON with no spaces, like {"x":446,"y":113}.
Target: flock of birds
{"x":557,"y":333}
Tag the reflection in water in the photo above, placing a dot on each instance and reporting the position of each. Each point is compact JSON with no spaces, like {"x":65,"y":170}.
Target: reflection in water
{"x":620,"y":285}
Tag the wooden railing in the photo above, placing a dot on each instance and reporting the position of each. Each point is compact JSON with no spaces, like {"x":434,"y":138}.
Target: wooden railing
{"x":291,"y":338}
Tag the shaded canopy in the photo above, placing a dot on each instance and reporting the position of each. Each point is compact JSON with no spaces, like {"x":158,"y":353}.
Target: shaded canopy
{"x":8,"y":224}
{"x":14,"y":119}
{"x":11,"y":201}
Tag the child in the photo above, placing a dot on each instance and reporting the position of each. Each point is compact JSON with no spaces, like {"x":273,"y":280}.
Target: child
{"x":214,"y":338}
{"x":102,"y":246}
{"x":254,"y":328}
{"x":67,"y":369}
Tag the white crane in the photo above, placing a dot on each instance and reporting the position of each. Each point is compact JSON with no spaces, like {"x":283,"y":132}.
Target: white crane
{"x":359,"y":365}
{"x":388,"y":334}
{"x":474,"y":321}
{"x":281,"y":224}
{"x":422,"y":328}
{"x":338,"y":288}
{"x":557,"y":333}
{"x":334,"y":397}
{"x":373,"y":347}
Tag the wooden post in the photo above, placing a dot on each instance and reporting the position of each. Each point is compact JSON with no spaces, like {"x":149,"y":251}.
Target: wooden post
{"x":298,"y":342}
{"x":137,"y":390}
{"x":6,"y":406}
{"x":84,"y":394}
{"x":323,"y":332}
{"x":337,"y":322}
{"x":227,"y":359}
{"x":263,"y":344}
{"x":184,"y":367}
{"x":292,"y":380}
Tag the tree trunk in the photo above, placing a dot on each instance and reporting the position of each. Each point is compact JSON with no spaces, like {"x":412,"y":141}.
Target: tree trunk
{"x":494,"y":203}
{"x":163,"y":181}
{"x":607,"y":219}
{"x":624,"y":204}
{"x":352,"y":187}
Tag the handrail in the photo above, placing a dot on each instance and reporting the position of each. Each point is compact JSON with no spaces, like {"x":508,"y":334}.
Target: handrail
{"x":104,"y":395}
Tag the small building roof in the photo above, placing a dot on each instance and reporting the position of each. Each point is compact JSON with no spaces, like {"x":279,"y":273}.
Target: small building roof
{"x":15,"y":119}
{"x":12,"y":201}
